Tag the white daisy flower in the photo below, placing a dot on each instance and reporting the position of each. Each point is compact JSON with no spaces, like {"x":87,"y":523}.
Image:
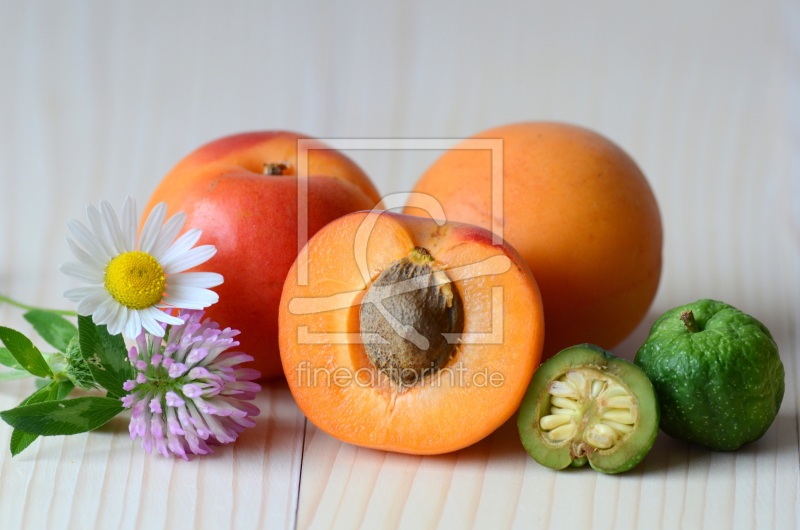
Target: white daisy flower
{"x":130,"y":284}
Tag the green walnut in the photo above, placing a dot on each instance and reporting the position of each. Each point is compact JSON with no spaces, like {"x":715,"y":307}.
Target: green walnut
{"x":717,"y":373}
{"x":585,"y":405}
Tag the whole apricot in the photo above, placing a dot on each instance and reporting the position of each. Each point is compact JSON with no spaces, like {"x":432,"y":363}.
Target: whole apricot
{"x":242,"y":192}
{"x":577,"y":209}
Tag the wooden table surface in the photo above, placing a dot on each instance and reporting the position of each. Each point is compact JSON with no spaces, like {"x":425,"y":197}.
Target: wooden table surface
{"x":99,"y":99}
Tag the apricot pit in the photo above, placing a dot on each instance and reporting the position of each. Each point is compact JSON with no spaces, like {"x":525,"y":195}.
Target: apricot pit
{"x":407,"y":309}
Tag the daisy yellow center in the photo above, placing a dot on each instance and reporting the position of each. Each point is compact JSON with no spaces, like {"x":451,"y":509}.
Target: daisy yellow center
{"x":135,"y":280}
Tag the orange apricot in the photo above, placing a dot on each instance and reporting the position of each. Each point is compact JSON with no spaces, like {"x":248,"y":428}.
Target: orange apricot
{"x":401,"y":334}
{"x":242,"y":191}
{"x":577,"y":209}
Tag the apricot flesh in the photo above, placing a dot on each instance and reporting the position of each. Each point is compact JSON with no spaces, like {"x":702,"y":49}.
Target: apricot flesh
{"x":479,"y":386}
{"x":241,"y":191}
{"x":577,"y":209}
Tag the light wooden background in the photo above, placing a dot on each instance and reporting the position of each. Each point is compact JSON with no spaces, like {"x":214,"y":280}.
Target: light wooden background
{"x":99,"y":99}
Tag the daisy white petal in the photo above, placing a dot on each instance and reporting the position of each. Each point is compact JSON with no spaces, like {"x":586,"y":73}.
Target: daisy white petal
{"x":181,"y":245}
{"x":87,"y":240}
{"x":118,"y":320}
{"x":82,"y":272}
{"x":112,"y":228}
{"x":189,"y":259}
{"x":91,"y":303}
{"x":182,"y":303}
{"x":79,"y":293}
{"x":161,"y":316}
{"x":203,"y":280}
{"x":149,"y":323}
{"x":197,"y":295}
{"x":99,"y":229}
{"x":152,"y":228}
{"x":169,"y":232}
{"x":129,"y":221}
{"x":105,"y":313}
{"x":84,"y":256}
{"x":134,"y":325}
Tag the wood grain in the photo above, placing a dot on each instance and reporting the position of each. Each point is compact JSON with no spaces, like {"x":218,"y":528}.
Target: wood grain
{"x":99,"y":100}
{"x":104,"y":480}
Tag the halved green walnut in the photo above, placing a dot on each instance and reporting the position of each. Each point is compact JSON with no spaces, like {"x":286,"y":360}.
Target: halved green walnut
{"x":583,"y":405}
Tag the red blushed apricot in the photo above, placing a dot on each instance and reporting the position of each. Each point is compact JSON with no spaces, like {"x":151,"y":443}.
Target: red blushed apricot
{"x":241,"y":191}
{"x":433,"y":279}
{"x":577,"y":209}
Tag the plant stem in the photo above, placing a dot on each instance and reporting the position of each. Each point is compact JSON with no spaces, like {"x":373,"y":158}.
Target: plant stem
{"x":688,"y":320}
{"x":31,"y":308}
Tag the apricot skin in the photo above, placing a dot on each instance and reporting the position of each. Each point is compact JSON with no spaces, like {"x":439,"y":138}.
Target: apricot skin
{"x":252,"y":220}
{"x":429,"y":418}
{"x":581,"y":214}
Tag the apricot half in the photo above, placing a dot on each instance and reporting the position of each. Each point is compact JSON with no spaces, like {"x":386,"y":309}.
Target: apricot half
{"x":402,"y":334}
{"x":577,"y":209}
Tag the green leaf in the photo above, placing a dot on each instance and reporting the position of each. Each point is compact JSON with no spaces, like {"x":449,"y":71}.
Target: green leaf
{"x":26,"y":354}
{"x":11,"y":375}
{"x":6,"y":359}
{"x":77,"y":369}
{"x":70,"y":416}
{"x":116,"y":353}
{"x":20,"y":440}
{"x":42,"y":394}
{"x":54,"y":390}
{"x":106,"y":356}
{"x":55,"y":329}
{"x":40,"y":383}
{"x":64,"y":388}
